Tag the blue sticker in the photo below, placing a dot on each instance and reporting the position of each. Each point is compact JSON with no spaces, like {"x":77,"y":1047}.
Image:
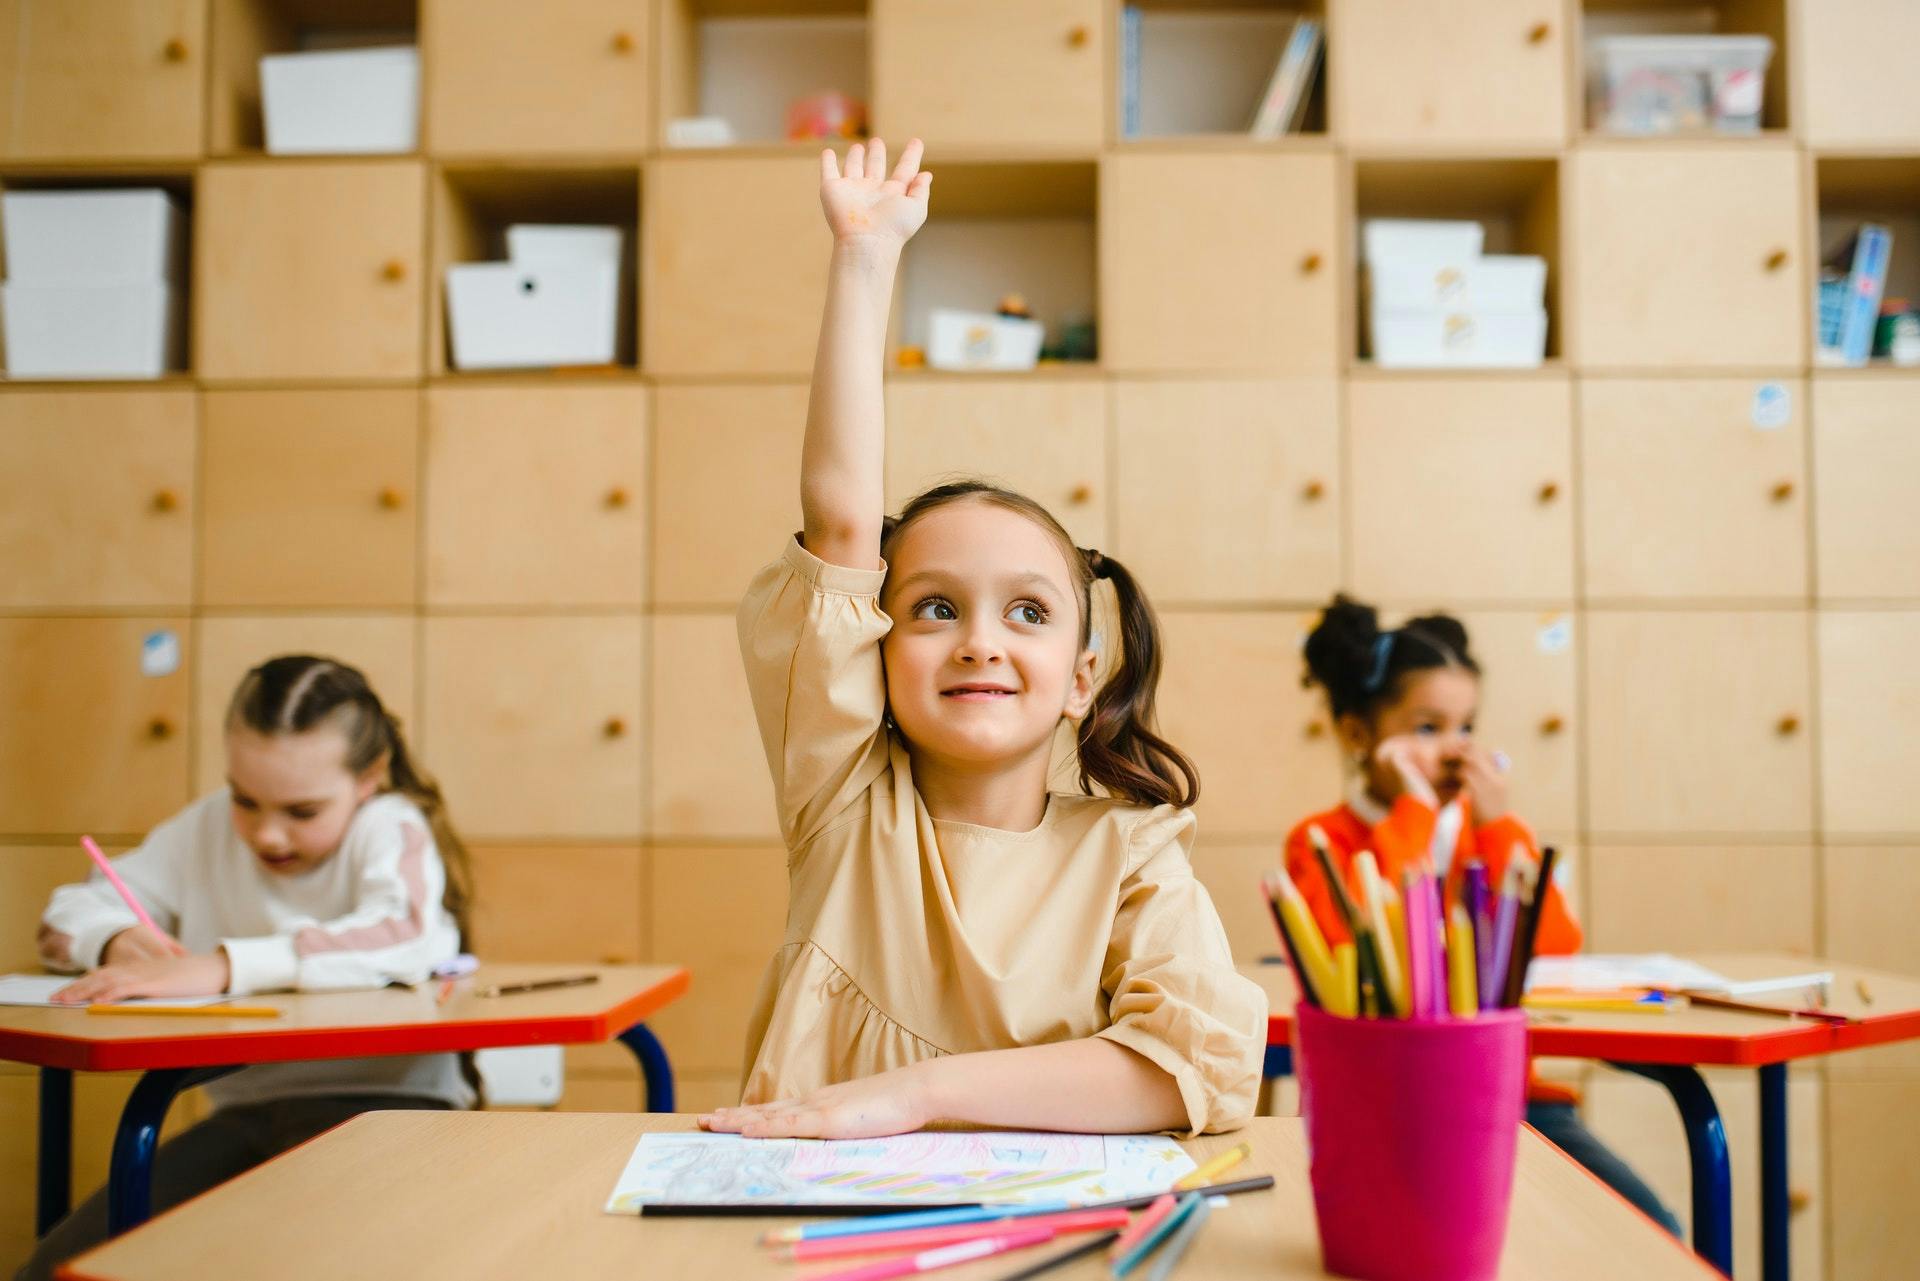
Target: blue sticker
{"x":159,"y":653}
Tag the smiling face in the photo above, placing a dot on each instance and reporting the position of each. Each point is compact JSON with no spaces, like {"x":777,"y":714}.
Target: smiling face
{"x":293,"y":794}
{"x":1434,"y":709}
{"x":985,"y":655}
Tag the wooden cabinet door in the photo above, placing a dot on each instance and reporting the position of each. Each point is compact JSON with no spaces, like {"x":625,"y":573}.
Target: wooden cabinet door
{"x":309,"y":269}
{"x":102,"y":79}
{"x":726,"y":491}
{"x":733,"y":260}
{"x":1648,"y":294}
{"x":1231,"y":699}
{"x":1853,"y":59}
{"x":1261,"y":457}
{"x":565,"y":904}
{"x":1869,"y":721}
{"x":537,"y":495}
{"x":1045,"y":438}
{"x":77,"y":534}
{"x":1479,"y":73}
{"x":711,"y":781}
{"x":1219,"y":263}
{"x":95,"y":735}
{"x":508,"y":77}
{"x":382,"y":647}
{"x":1000,"y":74}
{"x":719,"y":910}
{"x":1866,"y":476}
{"x":1530,"y":706}
{"x":1694,"y":489}
{"x":1461,"y":489}
{"x":311,"y":497}
{"x":1699,"y":724}
{"x":1715,"y":898}
{"x":533,"y":725}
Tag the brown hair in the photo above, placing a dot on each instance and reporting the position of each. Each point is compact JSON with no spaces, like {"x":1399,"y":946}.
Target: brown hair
{"x":1119,"y":748}
{"x":297,"y":692}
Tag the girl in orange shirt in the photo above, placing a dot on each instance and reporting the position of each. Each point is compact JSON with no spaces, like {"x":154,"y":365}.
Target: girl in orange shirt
{"x":1403,"y":702}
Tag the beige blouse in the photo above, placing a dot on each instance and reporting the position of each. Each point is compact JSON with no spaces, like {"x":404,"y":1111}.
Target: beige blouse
{"x":909,"y":936}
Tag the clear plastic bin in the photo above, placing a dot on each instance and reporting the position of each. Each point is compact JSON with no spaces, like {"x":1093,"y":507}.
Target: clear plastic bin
{"x":1672,"y":84}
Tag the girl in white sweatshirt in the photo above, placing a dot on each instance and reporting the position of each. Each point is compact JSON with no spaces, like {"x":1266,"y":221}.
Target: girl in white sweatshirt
{"x":326,"y":863}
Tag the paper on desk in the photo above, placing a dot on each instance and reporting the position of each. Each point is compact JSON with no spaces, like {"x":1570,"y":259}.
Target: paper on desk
{"x":904,"y":1171}
{"x":1602,"y":973}
{"x":38,"y":989}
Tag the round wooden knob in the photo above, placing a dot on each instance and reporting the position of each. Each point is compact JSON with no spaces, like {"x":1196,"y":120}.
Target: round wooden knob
{"x":393,"y":269}
{"x":1798,"y":1199}
{"x":617,"y":497}
{"x":391,"y":498}
{"x":165,"y":500}
{"x":1316,"y":729}
{"x":1776,"y":260}
{"x":1310,"y":263}
{"x":176,"y":50}
{"x":1787,"y":725}
{"x":1080,"y":495}
{"x":159,"y":728}
{"x":1538,"y":32}
{"x":623,"y":42}
{"x":1549,"y":490}
{"x":615,"y":958}
{"x":1313,"y":491}
{"x":1782,"y":491}
{"x":1078,"y":37}
{"x":1551,"y":725}
{"x":614,"y":727}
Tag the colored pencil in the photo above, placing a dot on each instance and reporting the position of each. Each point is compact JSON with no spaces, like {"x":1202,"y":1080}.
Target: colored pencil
{"x":1070,"y":1221}
{"x":944,"y":1257}
{"x":1480,"y":916}
{"x":446,"y":990}
{"x":1346,"y":965}
{"x":1463,"y":995}
{"x":884,"y":1219}
{"x":1748,"y":1007}
{"x":1143,"y":1223}
{"x":1180,"y":1240}
{"x":536,"y":985}
{"x":1506,"y":916}
{"x":877,"y":1218}
{"x":189,"y":1011}
{"x":1373,"y":902}
{"x":120,"y":887}
{"x":1299,"y":936}
{"x":1214,"y":1167}
{"x":1527,"y":930}
{"x":1336,"y":886}
{"x":1065,"y":1257}
{"x":1160,"y":1231}
{"x":1420,"y":976}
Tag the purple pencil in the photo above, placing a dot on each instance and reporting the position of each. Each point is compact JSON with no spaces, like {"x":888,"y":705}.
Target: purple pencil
{"x":1480,"y":916}
{"x":1506,"y":915}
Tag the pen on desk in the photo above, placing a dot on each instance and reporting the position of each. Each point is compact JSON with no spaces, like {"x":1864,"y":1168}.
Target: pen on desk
{"x":190,"y":1011}
{"x":536,"y":985}
{"x":1860,"y":989}
{"x":446,"y":990}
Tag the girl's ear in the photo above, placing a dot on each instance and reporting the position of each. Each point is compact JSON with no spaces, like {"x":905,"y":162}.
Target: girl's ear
{"x":1356,"y":736}
{"x":1080,"y":692}
{"x":371,"y":779}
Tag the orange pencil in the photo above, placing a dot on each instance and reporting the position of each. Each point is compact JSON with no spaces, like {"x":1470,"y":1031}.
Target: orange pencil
{"x":446,"y":990}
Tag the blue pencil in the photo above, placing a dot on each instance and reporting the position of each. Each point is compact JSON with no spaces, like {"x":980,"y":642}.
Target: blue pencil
{"x":1177,"y":1244}
{"x":912,"y":1219}
{"x":1146,"y":1245}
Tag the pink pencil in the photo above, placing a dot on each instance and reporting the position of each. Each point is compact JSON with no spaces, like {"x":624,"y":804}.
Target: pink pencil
{"x":113,"y":879}
{"x":953,"y":1233}
{"x":1419,"y":947}
{"x":944,"y":1257}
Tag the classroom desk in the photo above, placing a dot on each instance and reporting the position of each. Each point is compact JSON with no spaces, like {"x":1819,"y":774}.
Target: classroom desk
{"x":1670,"y":1048}
{"x":454,"y":1196}
{"x":178,"y":1053}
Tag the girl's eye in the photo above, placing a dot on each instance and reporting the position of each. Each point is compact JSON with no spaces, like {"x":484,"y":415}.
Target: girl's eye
{"x":244,"y":803}
{"x":1028,"y":612}
{"x":1428,"y":728}
{"x":1467,"y":729}
{"x":933,"y":609}
{"x":301,"y":815}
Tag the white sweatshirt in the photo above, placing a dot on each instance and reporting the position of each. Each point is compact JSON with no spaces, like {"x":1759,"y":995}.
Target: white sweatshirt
{"x":368,"y":916}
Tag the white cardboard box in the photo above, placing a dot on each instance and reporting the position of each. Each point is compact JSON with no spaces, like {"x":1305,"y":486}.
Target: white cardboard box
{"x":539,"y":244}
{"x":1495,"y":282}
{"x":1436,"y":337}
{"x":136,"y":236}
{"x":504,"y":315}
{"x":1418,"y":240}
{"x":93,"y":331}
{"x":341,"y":101}
{"x":982,"y":340}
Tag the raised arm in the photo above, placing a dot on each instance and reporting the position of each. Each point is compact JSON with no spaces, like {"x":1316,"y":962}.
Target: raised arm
{"x":872,"y":214}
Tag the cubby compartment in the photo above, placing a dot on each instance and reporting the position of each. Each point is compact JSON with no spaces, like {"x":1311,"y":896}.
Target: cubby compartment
{"x":1868,"y":251}
{"x":762,"y":71}
{"x":1442,"y":305}
{"x":96,"y":270}
{"x":244,"y":31}
{"x":1217,"y":67}
{"x":549,"y":283}
{"x":1008,"y":231}
{"x":1665,"y":67}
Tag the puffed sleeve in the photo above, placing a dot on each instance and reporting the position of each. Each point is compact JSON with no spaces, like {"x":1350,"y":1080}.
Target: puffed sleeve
{"x":1173,"y":994}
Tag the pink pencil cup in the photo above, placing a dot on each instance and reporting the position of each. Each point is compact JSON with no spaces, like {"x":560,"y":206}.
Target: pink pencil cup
{"x":1411,"y":1131}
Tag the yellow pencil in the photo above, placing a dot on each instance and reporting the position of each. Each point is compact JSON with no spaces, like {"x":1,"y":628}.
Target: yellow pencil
{"x":1315,"y":959}
{"x":1346,"y":969}
{"x":1214,"y":1168}
{"x":1595,"y":1004}
{"x":190,"y":1011}
{"x":1382,"y":908}
{"x":1463,"y":984}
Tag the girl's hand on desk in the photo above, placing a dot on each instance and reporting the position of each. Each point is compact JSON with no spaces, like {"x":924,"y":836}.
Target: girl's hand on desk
{"x":865,"y":203}
{"x":159,"y":976}
{"x":890,"y":1103}
{"x":139,"y":943}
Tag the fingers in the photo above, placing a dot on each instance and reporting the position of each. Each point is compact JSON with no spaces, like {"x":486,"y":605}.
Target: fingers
{"x":922,"y":183}
{"x":856,"y":166}
{"x":829,"y":165}
{"x":876,"y":161}
{"x":905,"y":172}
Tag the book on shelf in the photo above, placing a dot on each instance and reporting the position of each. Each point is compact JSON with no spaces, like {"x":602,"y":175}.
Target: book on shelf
{"x":1851,"y":282}
{"x":1284,"y":105}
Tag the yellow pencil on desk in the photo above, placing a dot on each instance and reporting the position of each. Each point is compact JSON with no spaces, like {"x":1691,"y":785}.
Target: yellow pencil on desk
{"x":1214,"y":1168}
{"x":190,"y":1011}
{"x":1652,"y":1003}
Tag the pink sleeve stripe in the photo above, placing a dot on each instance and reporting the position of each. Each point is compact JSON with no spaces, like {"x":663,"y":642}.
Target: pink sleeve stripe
{"x":381,"y":934}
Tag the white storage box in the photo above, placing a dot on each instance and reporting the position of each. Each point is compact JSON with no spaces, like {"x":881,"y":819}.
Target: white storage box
{"x":1497,"y":282}
{"x":505,"y":315}
{"x":131,"y":237}
{"x":982,"y":340}
{"x":1438,"y":338}
{"x":1668,"y":84}
{"x":93,"y":331}
{"x":538,"y":244}
{"x":1415,"y":240}
{"x":341,"y":101}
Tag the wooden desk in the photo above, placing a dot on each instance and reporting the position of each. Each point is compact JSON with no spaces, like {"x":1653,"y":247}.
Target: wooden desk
{"x":1669,"y":1048}
{"x":454,"y":1196}
{"x":177,"y":1053}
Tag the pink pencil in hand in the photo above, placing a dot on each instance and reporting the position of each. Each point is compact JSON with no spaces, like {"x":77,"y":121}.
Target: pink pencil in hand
{"x":133,"y":904}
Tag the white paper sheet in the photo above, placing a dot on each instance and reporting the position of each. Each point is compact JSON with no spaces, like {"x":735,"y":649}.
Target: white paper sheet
{"x":38,"y":989}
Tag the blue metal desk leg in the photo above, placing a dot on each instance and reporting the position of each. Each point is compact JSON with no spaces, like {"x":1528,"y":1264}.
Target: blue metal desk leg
{"x":55,"y":1177}
{"x":1707,"y":1150}
{"x":130,"y":1178}
{"x":653,"y":1066}
{"x":1776,"y":1259}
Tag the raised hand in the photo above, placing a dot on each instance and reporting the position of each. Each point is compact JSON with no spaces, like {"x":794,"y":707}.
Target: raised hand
{"x":864,"y":202}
